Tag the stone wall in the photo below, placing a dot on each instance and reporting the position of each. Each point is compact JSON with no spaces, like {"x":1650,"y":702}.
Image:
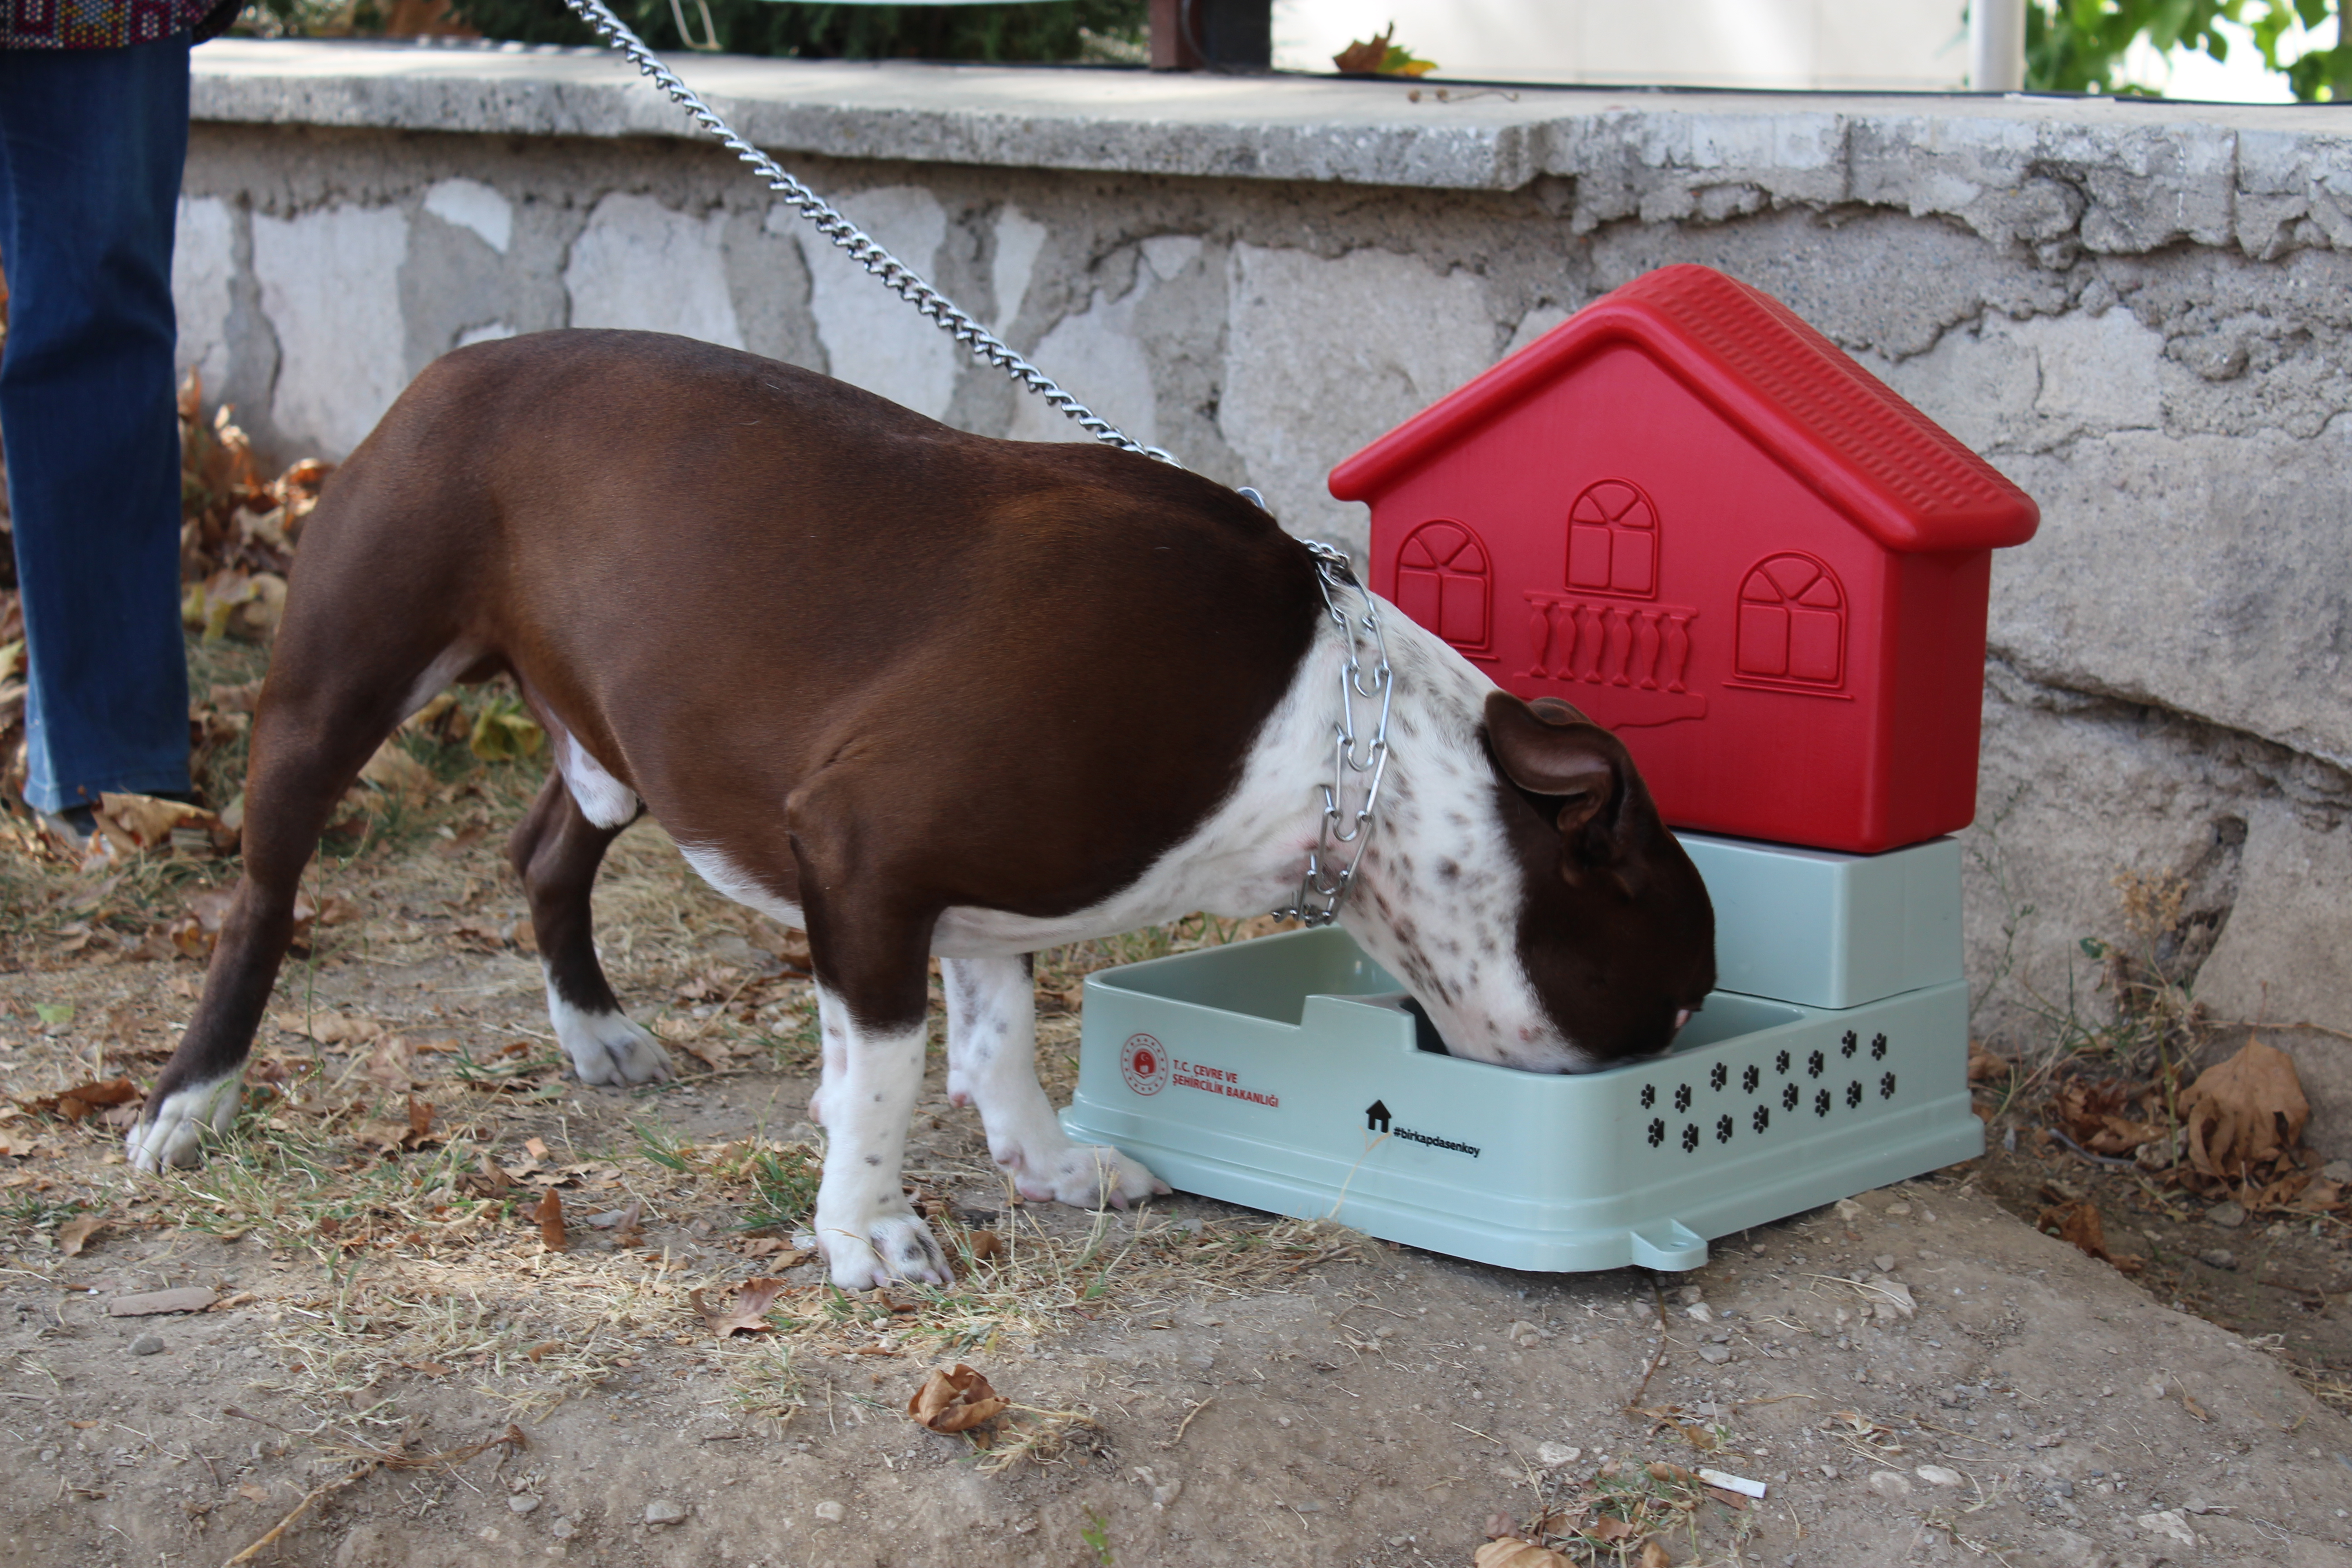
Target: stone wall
{"x":2138,"y":311}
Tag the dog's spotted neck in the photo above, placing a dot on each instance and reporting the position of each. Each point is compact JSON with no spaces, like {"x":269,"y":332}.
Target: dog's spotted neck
{"x":1437,"y":894}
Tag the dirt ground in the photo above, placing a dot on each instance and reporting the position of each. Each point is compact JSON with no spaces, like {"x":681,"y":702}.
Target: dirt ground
{"x":1917,"y":1376}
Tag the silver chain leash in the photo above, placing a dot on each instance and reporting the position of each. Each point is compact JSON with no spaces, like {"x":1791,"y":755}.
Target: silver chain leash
{"x":894,"y":274}
{"x":1322,"y":890}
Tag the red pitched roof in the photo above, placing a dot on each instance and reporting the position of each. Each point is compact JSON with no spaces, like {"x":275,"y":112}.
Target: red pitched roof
{"x":1873,"y":457}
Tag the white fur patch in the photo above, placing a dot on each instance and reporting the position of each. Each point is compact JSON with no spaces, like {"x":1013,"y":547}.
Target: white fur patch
{"x":730,"y":880}
{"x":605,"y":1047}
{"x":992,"y":1064}
{"x":603,"y":799}
{"x":174,"y":1136}
{"x":868,"y":1232}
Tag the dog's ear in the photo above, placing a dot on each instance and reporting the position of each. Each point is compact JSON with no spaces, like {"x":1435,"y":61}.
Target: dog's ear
{"x":1553,"y":710}
{"x":1548,"y":748}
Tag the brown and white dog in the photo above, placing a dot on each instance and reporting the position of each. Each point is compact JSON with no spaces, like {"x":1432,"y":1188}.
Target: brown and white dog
{"x":915,"y":692}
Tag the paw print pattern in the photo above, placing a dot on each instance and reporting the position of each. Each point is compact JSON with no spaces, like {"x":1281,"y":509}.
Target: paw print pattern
{"x":1719,"y":1077}
{"x":1763,"y":1118}
{"x":1657,"y":1133}
{"x":1853,"y":1094}
{"x":1813,"y":1065}
{"x":1723,"y":1129}
{"x":1780,"y":1063}
{"x":1846,"y":1046}
{"x":1681,"y":1097}
{"x":1822,"y":1103}
{"x":1886,"y":1087}
{"x":1690,"y":1136}
{"x":1649,"y":1095}
{"x":1750,"y":1078}
{"x":1790,"y":1096}
{"x":1878,"y":1048}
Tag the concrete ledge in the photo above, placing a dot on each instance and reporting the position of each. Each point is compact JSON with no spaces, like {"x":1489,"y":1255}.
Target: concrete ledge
{"x":2112,"y":176}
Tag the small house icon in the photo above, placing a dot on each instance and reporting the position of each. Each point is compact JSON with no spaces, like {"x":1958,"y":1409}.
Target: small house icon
{"x":1376,"y":1117}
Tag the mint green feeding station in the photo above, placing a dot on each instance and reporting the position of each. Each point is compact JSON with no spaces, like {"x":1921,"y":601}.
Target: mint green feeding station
{"x":1287,"y":1075}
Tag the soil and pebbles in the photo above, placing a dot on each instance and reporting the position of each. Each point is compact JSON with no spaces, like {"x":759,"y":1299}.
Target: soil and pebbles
{"x":1915,"y":1375}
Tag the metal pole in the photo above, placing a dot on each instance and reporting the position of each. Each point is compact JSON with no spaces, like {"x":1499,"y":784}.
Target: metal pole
{"x":1997,"y":46}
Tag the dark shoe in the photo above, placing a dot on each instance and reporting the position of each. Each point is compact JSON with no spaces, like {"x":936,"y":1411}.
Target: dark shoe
{"x":72,"y":828}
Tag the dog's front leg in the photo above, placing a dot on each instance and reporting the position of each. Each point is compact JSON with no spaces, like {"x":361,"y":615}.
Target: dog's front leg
{"x":993,"y":1063}
{"x":869,"y":1232}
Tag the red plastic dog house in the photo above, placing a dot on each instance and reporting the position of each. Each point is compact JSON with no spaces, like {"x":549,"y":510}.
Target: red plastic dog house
{"x":1691,"y":516}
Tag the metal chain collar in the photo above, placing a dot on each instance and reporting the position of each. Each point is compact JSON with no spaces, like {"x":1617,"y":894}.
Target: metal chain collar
{"x":894,"y":274}
{"x":1322,"y":890}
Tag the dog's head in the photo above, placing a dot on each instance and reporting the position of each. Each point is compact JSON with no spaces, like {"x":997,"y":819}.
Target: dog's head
{"x":1616,"y":933}
{"x":1527,"y":893}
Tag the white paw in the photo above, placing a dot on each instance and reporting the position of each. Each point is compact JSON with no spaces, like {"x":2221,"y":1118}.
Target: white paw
{"x":174,"y":1134}
{"x":879,"y":1250}
{"x":1086,"y":1174}
{"x":607,"y":1048}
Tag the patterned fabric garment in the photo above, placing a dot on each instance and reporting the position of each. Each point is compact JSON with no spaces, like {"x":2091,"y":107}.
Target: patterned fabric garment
{"x":95,"y":24}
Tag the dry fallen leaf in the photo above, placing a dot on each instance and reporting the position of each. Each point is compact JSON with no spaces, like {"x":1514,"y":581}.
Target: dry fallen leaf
{"x":1654,"y":1555}
{"x":393,"y":1063}
{"x":630,"y":1231}
{"x":1510,"y":1551}
{"x":2245,"y":1111}
{"x":398,"y":775}
{"x":956,"y":1401}
{"x":550,"y":1215}
{"x":2079,"y":1223}
{"x":1362,"y":57}
{"x":535,"y":1148}
{"x":1378,"y":56}
{"x":132,"y":823}
{"x":984,"y":1244}
{"x":779,"y":1253}
{"x":76,"y":1103}
{"x":748,"y":1312}
{"x":196,"y":931}
{"x":75,"y":1233}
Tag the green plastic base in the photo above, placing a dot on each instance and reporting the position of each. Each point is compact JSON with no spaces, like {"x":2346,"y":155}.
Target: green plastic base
{"x":1284,"y":1074}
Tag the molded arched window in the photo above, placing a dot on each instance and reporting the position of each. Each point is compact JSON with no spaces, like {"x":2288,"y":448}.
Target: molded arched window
{"x":1792,"y":622}
{"x":1446,"y":581}
{"x":1613,"y":541}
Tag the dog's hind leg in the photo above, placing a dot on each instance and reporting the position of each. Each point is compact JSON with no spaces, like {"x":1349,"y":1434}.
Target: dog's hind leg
{"x":313,"y":731}
{"x":556,"y":851}
{"x":993,"y":1063}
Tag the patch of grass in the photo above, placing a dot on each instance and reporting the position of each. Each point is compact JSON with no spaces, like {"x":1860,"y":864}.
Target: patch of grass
{"x":30,"y":1212}
{"x":797,"y":1046}
{"x":662,"y":1147}
{"x":783,"y":1189}
{"x":508,"y":1067}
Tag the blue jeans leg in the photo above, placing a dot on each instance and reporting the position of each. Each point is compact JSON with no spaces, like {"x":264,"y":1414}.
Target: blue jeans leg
{"x":91,"y":146}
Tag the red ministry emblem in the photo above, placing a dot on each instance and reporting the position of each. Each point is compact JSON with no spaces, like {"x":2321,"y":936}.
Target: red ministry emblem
{"x":1144,"y":1062}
